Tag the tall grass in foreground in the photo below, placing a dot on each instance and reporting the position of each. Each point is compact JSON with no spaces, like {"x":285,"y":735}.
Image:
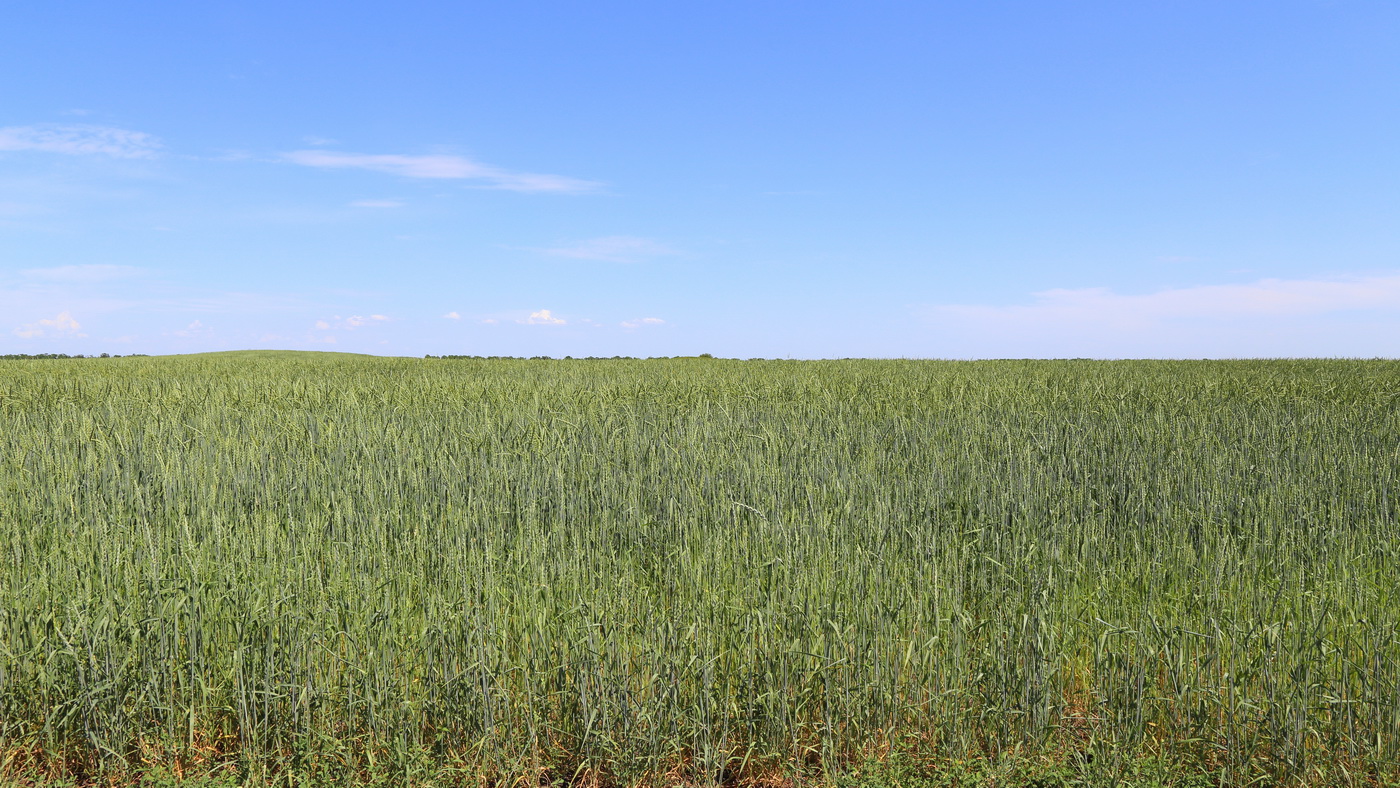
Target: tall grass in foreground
{"x":696,"y":570}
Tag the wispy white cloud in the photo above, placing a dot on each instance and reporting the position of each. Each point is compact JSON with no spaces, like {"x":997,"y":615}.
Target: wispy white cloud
{"x":233,"y":154}
{"x":452,"y":316}
{"x":642,"y":321}
{"x":197,"y":328}
{"x":1264,"y":297}
{"x":63,"y":325}
{"x":543,"y":318}
{"x":83,"y":273}
{"x":79,"y":139}
{"x":16,"y":208}
{"x":439,"y":166}
{"x":338,"y":323}
{"x":1234,"y":319}
{"x":376,"y":204}
{"x":225,"y":302}
{"x":612,"y":249}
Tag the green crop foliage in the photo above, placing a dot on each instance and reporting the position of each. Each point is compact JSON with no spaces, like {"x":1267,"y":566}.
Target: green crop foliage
{"x":291,"y":569}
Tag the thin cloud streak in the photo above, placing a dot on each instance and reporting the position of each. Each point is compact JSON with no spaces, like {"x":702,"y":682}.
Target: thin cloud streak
{"x":83,"y":273}
{"x":1268,"y":317}
{"x":611,"y":249}
{"x":79,"y":140}
{"x":350,"y":323}
{"x":1265,"y":297}
{"x":440,"y":166}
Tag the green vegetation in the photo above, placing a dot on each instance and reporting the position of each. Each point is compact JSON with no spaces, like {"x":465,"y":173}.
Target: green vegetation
{"x":333,"y":570}
{"x":50,"y":356}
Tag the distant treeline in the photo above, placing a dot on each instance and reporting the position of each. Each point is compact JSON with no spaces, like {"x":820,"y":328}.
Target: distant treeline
{"x":50,"y":356}
{"x":565,"y":358}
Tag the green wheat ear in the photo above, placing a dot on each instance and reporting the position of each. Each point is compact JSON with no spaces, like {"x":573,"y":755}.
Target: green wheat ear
{"x":313,"y":569}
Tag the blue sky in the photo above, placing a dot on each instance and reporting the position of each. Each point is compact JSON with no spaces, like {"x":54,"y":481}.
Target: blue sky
{"x":884,"y":179}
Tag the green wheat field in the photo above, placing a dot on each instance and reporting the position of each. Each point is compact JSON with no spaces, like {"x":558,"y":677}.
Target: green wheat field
{"x":322,"y":569}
